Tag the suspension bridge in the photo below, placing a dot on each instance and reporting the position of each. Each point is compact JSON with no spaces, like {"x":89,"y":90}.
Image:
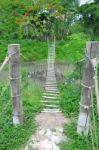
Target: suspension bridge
{"x":50,"y":101}
{"x":51,"y":93}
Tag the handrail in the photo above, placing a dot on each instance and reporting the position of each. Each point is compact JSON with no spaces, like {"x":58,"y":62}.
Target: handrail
{"x":4,"y":63}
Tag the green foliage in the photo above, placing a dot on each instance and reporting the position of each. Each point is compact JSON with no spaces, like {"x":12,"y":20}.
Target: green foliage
{"x":72,"y":49}
{"x":76,"y":28}
{"x":75,"y":141}
{"x":33,"y":50}
{"x":22,"y":19}
{"x":70,"y":92}
{"x":69,"y":98}
{"x":90,"y":18}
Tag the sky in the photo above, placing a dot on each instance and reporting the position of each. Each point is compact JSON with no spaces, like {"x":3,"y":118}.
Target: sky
{"x":82,"y":2}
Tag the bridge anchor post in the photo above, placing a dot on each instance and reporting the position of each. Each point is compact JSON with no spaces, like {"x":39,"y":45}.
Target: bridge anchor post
{"x":15,"y":82}
{"x":88,"y":84}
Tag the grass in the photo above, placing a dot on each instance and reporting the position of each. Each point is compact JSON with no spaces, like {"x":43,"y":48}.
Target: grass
{"x":11,"y":136}
{"x":69,"y":103}
{"x":75,"y":141}
{"x":70,"y":91}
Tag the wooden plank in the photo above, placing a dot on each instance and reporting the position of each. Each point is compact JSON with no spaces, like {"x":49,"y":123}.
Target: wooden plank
{"x":50,"y":101}
{"x":51,"y":82}
{"x":51,"y":88}
{"x":49,"y":97}
{"x":51,"y":106}
{"x":50,"y":68}
{"x":51,"y":79}
{"x":53,"y":94}
{"x":50,"y":75}
{"x":50,"y":91}
{"x":51,"y":110}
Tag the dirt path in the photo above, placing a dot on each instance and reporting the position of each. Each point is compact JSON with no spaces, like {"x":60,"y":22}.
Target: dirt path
{"x":49,"y":133}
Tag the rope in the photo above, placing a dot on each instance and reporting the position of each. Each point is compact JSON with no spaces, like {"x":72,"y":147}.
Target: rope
{"x":15,"y":78}
{"x":13,"y":96}
{"x":25,"y":58}
{"x":81,"y":60}
{"x":10,"y":54}
{"x":89,"y":87}
{"x":4,"y":63}
{"x":85,"y":106}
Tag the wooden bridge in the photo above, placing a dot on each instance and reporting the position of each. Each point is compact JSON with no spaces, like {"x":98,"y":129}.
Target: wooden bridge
{"x":51,"y":93}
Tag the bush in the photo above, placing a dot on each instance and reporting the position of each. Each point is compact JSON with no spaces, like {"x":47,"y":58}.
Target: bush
{"x":72,"y":49}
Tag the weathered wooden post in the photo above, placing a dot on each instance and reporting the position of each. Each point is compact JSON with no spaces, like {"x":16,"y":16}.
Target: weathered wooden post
{"x":92,"y":50}
{"x":15,"y":81}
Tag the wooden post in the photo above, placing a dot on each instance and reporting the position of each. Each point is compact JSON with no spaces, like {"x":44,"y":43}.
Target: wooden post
{"x":92,"y":50}
{"x":15,"y":81}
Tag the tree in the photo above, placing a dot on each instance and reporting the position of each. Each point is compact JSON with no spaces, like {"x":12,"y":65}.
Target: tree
{"x":89,"y":17}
